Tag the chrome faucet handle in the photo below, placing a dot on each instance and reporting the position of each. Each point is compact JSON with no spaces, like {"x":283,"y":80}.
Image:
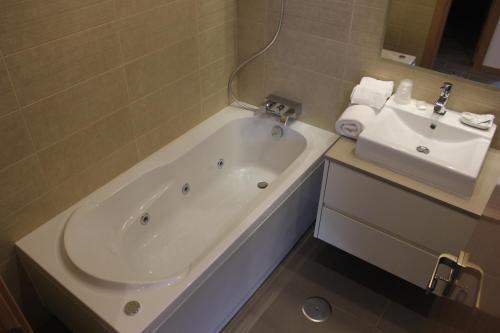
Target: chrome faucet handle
{"x":282,"y":108}
{"x":446,"y":89}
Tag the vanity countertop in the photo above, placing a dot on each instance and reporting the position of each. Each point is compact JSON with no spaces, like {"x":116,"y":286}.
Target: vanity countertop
{"x":343,"y":152}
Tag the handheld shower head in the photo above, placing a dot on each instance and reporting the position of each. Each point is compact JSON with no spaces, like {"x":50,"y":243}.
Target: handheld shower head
{"x":238,"y":68}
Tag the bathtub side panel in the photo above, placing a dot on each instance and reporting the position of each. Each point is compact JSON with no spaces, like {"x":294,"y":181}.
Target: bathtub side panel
{"x":62,"y":303}
{"x":219,"y":298}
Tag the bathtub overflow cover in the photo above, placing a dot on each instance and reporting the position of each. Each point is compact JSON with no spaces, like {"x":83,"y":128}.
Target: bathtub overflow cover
{"x":262,"y":185}
{"x":186,"y":188}
{"x":145,"y":219}
{"x":132,"y":308}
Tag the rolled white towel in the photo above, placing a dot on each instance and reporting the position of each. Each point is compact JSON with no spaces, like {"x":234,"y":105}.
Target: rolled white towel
{"x":384,"y":87}
{"x":354,"y":120}
{"x":368,"y":96}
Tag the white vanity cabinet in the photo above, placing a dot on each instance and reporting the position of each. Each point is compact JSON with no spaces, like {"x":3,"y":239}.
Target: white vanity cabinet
{"x":386,"y":225}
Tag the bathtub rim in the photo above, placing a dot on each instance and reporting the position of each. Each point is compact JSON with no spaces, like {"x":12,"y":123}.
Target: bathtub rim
{"x":320,"y":140}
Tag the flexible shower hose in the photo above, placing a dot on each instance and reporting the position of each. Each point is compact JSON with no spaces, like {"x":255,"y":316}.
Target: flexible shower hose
{"x":233,"y":75}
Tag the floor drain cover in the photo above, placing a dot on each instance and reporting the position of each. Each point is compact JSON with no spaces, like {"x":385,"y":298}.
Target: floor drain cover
{"x":316,"y":309}
{"x":262,"y":185}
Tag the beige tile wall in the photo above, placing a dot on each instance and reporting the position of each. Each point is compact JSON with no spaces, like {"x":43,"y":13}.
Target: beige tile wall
{"x":326,"y":47}
{"x":408,"y":25}
{"x":88,"y":88}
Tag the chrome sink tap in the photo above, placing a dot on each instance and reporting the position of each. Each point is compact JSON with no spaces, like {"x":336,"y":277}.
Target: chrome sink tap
{"x":440,"y":106}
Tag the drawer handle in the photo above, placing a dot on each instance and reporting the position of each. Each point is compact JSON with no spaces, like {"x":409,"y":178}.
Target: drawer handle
{"x":457,"y":265}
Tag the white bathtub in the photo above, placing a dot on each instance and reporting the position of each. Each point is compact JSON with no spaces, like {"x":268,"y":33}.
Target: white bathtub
{"x":186,"y":233}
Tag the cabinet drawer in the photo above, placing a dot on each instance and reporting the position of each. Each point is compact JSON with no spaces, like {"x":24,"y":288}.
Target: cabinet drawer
{"x":414,"y":218}
{"x":384,"y":251}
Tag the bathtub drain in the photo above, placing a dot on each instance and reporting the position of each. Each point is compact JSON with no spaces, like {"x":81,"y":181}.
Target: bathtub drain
{"x":145,"y":219}
{"x":186,"y":188}
{"x":262,"y":185}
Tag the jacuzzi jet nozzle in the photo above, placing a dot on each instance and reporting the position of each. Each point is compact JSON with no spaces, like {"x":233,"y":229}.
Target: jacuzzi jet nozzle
{"x":262,"y":185}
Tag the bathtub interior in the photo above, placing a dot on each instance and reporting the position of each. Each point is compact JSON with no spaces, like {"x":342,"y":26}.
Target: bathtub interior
{"x":191,"y":204}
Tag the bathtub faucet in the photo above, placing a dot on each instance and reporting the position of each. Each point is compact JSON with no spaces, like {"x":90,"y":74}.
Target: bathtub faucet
{"x":286,"y":116}
{"x":283,"y":108}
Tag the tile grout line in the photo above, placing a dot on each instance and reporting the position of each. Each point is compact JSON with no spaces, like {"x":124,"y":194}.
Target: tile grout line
{"x":85,"y":128}
{"x":120,"y":67}
{"x":160,"y":125}
{"x":107,"y":71}
{"x":110,"y":23}
{"x":348,"y":44}
{"x":198,"y":46}
{"x":270,"y":60}
{"x":98,"y":120}
{"x":152,"y":9}
{"x":123,"y":64}
{"x":124,"y":61}
{"x":59,"y":15}
{"x":382,"y":314}
{"x":267,"y":58}
{"x":66,"y":89}
{"x":49,"y":189}
{"x":36,"y":150}
{"x":10,"y":113}
{"x":18,"y":162}
{"x":11,"y":82}
{"x":26,"y":128}
{"x":326,"y":76}
{"x":96,"y":27}
{"x":127,"y":87}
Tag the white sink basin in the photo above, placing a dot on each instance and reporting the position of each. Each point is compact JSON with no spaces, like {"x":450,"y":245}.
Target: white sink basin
{"x":448,"y":157}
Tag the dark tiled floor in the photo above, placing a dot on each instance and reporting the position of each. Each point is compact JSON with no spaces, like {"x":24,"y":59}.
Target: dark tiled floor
{"x":363,"y":298}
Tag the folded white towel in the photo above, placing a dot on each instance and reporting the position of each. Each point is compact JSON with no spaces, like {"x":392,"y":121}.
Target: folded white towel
{"x":384,"y":87}
{"x":481,"y":121}
{"x":368,"y":96}
{"x":354,"y":120}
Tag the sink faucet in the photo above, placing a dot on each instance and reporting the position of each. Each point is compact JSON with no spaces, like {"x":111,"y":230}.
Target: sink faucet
{"x":440,"y":106}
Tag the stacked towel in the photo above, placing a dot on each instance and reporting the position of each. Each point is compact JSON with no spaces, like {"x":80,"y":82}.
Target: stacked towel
{"x":372,"y":92}
{"x":382,"y":87}
{"x":354,"y":120}
{"x":368,"y":97}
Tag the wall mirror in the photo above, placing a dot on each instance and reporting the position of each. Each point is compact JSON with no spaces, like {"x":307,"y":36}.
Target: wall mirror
{"x":458,"y":37}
